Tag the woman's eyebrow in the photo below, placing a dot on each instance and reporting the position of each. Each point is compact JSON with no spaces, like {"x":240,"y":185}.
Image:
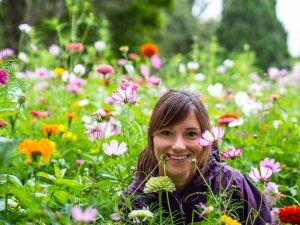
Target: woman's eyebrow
{"x":193,"y":128}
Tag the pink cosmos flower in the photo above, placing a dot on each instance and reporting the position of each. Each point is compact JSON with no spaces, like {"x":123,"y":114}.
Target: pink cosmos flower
{"x":7,"y":52}
{"x":114,"y":148}
{"x":115,"y":217}
{"x":105,"y":69}
{"x":123,"y":97}
{"x":75,"y":46}
{"x":272,"y":194}
{"x":94,"y":130}
{"x":208,"y":138}
{"x":270,"y":163}
{"x":264,"y":174}
{"x":40,"y":114}
{"x":87,"y":216}
{"x":205,"y":209}
{"x":154,"y":80}
{"x":155,"y":62}
{"x":231,"y":153}
{"x":3,"y":77}
{"x":54,"y":50}
{"x":42,"y":72}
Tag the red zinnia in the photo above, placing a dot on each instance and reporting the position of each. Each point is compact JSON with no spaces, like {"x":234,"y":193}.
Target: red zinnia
{"x":227,"y":118}
{"x":105,"y":69}
{"x":149,"y":49}
{"x":290,"y":214}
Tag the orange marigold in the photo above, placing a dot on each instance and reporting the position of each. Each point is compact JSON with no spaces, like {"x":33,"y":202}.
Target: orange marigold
{"x":50,"y":129}
{"x":70,"y":116}
{"x":32,"y":148}
{"x":149,"y":49}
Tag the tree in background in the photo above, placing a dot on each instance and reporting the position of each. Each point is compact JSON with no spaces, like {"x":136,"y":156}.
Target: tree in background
{"x":254,"y":23}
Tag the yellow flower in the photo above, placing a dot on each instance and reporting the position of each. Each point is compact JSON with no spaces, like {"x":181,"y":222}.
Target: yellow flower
{"x":282,"y":195}
{"x":94,"y":151}
{"x":74,"y":106}
{"x":50,"y":129}
{"x":59,"y":71}
{"x":70,"y":116}
{"x":124,"y":48}
{"x":62,"y":128}
{"x":227,"y":220}
{"x":1,"y":62}
{"x":42,"y":148}
{"x":69,"y":136}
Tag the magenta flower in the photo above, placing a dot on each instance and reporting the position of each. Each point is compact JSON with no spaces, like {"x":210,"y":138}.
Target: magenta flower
{"x":123,"y":97}
{"x":3,"y":123}
{"x":79,"y":162}
{"x":3,"y":77}
{"x":40,"y":114}
{"x":208,"y":138}
{"x":122,"y":62}
{"x":231,"y":153}
{"x":114,"y":149}
{"x":87,"y":216}
{"x":259,"y":176}
{"x":270,"y":163}
{"x":105,"y":69}
{"x":155,"y":62}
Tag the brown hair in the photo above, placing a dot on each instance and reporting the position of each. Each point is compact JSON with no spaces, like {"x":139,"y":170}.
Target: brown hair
{"x":171,"y":109}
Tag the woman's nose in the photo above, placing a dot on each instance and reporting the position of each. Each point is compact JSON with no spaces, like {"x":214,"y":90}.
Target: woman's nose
{"x":178,"y":144}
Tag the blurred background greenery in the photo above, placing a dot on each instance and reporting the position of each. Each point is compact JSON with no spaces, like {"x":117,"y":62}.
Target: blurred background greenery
{"x":168,"y":23}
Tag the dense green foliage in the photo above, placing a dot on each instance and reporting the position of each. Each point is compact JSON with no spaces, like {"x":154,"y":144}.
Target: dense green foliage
{"x":254,"y":23}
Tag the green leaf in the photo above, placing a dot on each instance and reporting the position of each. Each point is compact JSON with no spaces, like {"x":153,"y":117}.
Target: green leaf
{"x":57,"y":171}
{"x":45,"y":175}
{"x":61,"y":196}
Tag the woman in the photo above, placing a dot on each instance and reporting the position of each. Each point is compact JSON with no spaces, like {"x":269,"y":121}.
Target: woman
{"x":176,"y":124}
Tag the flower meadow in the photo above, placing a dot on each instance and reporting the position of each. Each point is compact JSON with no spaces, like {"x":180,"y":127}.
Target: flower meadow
{"x":73,"y":120}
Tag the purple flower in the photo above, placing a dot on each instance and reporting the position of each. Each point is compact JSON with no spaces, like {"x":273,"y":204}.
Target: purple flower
{"x":114,"y":148}
{"x":208,"y":138}
{"x":123,"y":97}
{"x":87,"y":216}
{"x":264,"y":174}
{"x":156,"y":62}
{"x":270,"y":163}
{"x":231,"y":153}
{"x":3,"y":77}
{"x":115,"y":217}
{"x":205,"y":209}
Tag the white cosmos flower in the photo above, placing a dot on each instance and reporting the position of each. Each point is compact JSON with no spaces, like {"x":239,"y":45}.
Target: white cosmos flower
{"x":114,"y":148}
{"x":216,"y":90}
{"x":25,"y":28}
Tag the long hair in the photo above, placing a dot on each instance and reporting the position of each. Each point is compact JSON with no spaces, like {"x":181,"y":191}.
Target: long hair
{"x":172,"y":108}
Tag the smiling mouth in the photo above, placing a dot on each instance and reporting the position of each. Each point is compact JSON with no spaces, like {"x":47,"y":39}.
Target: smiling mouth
{"x":176,"y":157}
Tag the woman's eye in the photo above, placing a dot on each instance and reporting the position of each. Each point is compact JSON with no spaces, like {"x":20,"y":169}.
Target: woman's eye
{"x":192,"y":134}
{"x":166,"y":133}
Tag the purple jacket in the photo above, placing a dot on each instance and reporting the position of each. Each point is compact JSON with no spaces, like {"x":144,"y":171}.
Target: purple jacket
{"x":253,"y":208}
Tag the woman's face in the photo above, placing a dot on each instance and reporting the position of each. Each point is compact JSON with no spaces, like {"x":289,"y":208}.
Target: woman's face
{"x":179,"y":143}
